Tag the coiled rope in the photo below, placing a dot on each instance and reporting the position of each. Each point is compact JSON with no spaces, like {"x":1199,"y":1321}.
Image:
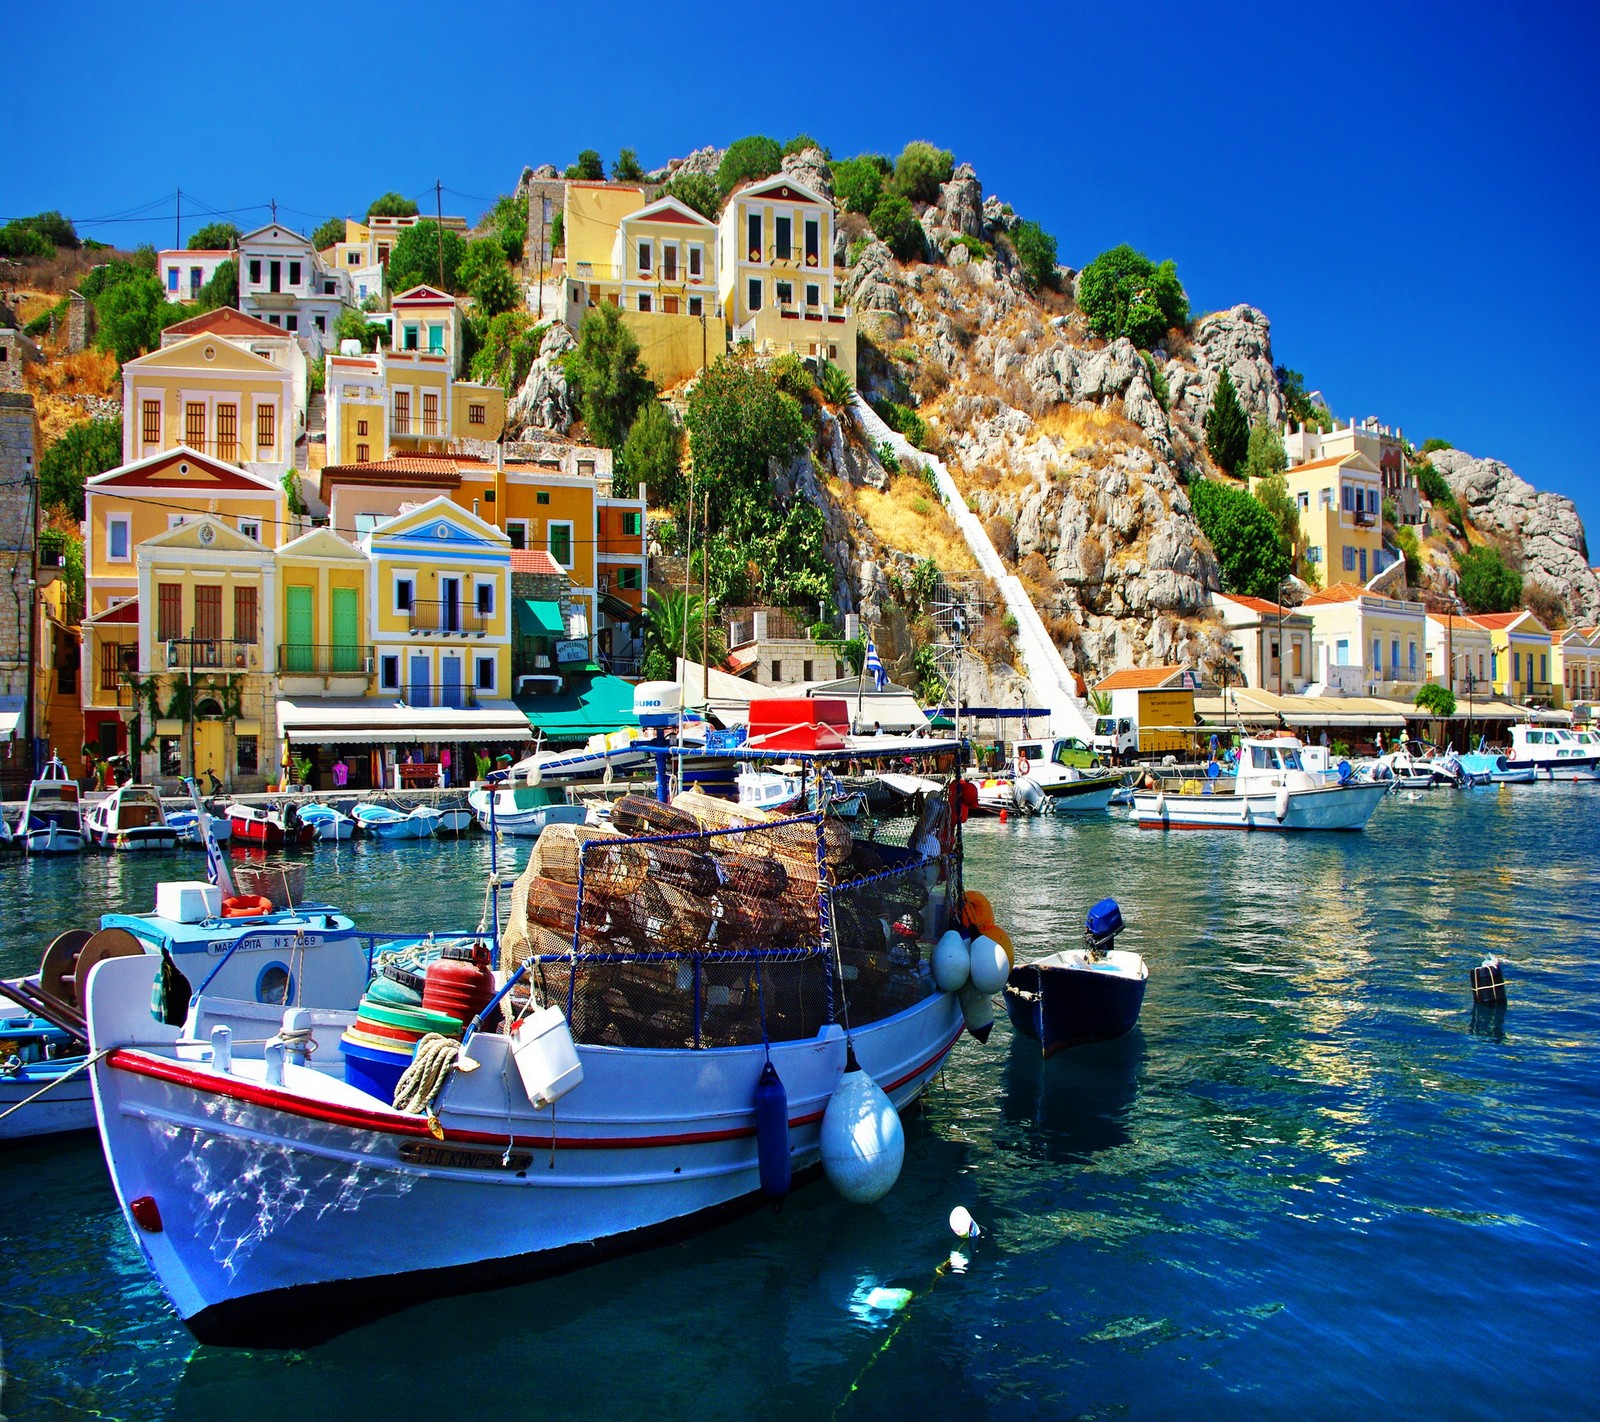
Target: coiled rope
{"x":430,"y":1068}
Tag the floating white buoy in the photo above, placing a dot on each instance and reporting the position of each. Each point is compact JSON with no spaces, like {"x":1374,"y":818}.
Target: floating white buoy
{"x":962,"y":1223}
{"x":885,"y":1300}
{"x":952,"y":962}
{"x":863,"y":1142}
{"x":978,"y":1011}
{"x":990,"y":966}
{"x":1282,"y":804}
{"x":1161,"y":804}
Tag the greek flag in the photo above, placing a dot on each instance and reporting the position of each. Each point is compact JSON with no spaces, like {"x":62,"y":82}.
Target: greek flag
{"x":880,"y":678}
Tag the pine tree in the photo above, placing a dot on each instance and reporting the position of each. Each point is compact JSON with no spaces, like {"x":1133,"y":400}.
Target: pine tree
{"x":1227,"y":428}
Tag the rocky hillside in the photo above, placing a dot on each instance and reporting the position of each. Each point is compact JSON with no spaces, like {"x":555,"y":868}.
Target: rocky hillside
{"x":1074,"y":451}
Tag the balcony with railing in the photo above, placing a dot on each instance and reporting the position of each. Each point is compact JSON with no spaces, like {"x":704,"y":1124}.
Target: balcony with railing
{"x":210,"y":654}
{"x":441,"y":617}
{"x":418,"y":427}
{"x":454,"y":695}
{"x":310,"y":659}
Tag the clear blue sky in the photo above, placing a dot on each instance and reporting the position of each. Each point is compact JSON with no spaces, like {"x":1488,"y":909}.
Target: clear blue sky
{"x":1410,"y":195}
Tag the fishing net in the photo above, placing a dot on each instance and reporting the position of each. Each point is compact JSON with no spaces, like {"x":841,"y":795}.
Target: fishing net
{"x":703,"y":924}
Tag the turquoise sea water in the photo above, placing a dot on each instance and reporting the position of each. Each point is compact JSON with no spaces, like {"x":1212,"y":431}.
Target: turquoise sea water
{"x":1315,"y":1183}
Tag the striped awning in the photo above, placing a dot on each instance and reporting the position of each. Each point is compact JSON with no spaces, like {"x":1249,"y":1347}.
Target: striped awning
{"x":358,"y":721}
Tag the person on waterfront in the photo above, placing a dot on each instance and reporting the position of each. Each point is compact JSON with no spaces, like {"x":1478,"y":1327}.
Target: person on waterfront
{"x":341,"y":774}
{"x":481,"y":763}
{"x":1322,"y":737}
{"x":444,"y":767}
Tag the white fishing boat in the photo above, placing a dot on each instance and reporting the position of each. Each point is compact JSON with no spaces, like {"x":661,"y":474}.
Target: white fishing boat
{"x":1270,"y":790}
{"x":522,"y":811}
{"x":702,"y":1049}
{"x":130,"y":818}
{"x":331,"y":824}
{"x":383,"y":822}
{"x":187,"y":824}
{"x":455,"y":817}
{"x":52,"y":818}
{"x":1553,"y":753}
{"x":780,"y":789}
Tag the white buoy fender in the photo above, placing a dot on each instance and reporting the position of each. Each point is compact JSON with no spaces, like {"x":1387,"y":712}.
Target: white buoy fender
{"x":863,"y":1142}
{"x":1161,"y":804}
{"x":978,"y":1012}
{"x":952,"y":962}
{"x":990,"y":966}
{"x":1282,"y":805}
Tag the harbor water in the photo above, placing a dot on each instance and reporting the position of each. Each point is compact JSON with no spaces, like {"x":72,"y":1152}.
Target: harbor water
{"x":1316,"y":1182}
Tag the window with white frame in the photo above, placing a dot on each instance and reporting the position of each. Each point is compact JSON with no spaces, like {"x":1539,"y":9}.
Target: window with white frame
{"x":484,"y":595}
{"x":784,"y":293}
{"x":389,"y":672}
{"x":753,"y":299}
{"x":517,"y":532}
{"x":644,"y":258}
{"x":484,"y":677}
{"x":813,"y":294}
{"x":559,"y":541}
{"x":405,"y":588}
{"x":645,"y":303}
{"x":696,"y":306}
{"x":696,"y":259}
{"x":251,"y":528}
{"x":117,"y":535}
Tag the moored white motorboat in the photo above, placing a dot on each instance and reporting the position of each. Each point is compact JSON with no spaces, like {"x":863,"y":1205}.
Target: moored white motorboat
{"x":52,"y":818}
{"x":1269,"y":791}
{"x":187,"y":824}
{"x":522,"y":811}
{"x":455,"y":817}
{"x":130,"y":818}
{"x":768,"y":789}
{"x":665,"y":1120}
{"x":381,"y":821}
{"x":1553,"y":753}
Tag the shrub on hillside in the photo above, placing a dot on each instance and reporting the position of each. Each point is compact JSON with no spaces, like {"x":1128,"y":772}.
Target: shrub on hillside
{"x":893,"y":221}
{"x":606,"y":376}
{"x":1036,"y":251}
{"x":327,"y":233}
{"x":921,"y":170}
{"x":416,"y":258}
{"x":82,"y":452}
{"x":748,"y":159}
{"x":903,"y":420}
{"x":626,"y":169}
{"x":1123,"y":293}
{"x":858,"y":183}
{"x":802,"y":141}
{"x":697,"y":191}
{"x":1429,"y":445}
{"x":588,"y":168}
{"x":651,"y":455}
{"x":214,"y":237}
{"x":1487,"y":582}
{"x":391,"y":205}
{"x":1227,"y":426}
{"x":1545,"y":604}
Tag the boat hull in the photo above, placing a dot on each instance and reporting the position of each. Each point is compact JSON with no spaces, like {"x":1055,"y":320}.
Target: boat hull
{"x":382,"y":1213}
{"x":51,"y":839}
{"x":64,"y":1108}
{"x":1330,"y":807}
{"x":146,"y":839}
{"x":1075,"y":1002}
{"x":1082,"y":797}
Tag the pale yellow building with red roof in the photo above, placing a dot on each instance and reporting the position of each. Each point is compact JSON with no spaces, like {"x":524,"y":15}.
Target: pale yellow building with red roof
{"x":1273,"y":642}
{"x":1340,"y":500}
{"x":1366,"y":644}
{"x":1520,"y":664}
{"x":1575,"y":665}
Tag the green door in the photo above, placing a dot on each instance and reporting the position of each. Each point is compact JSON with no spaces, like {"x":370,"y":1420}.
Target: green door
{"x":346,"y":632}
{"x":301,"y":632}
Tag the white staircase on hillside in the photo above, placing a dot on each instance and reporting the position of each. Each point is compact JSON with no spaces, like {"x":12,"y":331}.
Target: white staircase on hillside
{"x":1054,"y":686}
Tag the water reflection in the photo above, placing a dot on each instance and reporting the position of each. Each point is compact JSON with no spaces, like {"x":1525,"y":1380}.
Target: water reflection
{"x":1077,"y":1103}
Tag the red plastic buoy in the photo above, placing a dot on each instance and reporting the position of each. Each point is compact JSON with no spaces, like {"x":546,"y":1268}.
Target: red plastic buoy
{"x":146,"y":1214}
{"x":1002,"y":814}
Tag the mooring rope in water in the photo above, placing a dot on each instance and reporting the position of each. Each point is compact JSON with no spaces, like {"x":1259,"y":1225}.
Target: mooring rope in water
{"x":67,"y":1075}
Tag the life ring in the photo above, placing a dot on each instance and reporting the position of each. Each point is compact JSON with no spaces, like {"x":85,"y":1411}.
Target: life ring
{"x":1022,"y":766}
{"x":246,"y":906}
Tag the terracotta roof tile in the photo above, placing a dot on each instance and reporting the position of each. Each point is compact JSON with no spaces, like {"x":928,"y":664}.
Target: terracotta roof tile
{"x":1259,"y":604}
{"x":1331,"y":462}
{"x":1339,"y":592}
{"x":1142,"y":678}
{"x":535,"y":560}
{"x":224,"y":321}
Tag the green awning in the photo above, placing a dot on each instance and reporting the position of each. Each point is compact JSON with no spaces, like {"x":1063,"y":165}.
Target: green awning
{"x":590,"y":706}
{"x":540,"y":619}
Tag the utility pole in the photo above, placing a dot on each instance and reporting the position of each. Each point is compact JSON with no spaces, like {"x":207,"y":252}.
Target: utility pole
{"x":177,"y":222}
{"x":705,"y":603}
{"x":438,"y":207}
{"x":274,"y":212}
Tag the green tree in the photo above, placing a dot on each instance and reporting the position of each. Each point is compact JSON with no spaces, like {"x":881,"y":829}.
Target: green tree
{"x":1123,"y":293}
{"x":1487,"y":582}
{"x":1429,"y":445}
{"x":509,"y":219}
{"x":1227,"y":427}
{"x":697,"y":191}
{"x":1437,"y":700}
{"x":391,"y":205}
{"x":354,"y":326}
{"x":214,"y":237}
{"x":1244,"y":537}
{"x":414,"y":260}
{"x":1299,"y":405}
{"x":510,"y":345}
{"x":223,"y":288}
{"x":605,"y":373}
{"x":1405,"y":539}
{"x":82,"y":452}
{"x":651,"y":455}
{"x":921,"y":170}
{"x":626,"y":169}
{"x":1272,"y":493}
{"x":893,"y":221}
{"x":588,"y":168}
{"x":679,"y":620}
{"x":748,"y":159}
{"x":131,"y":315}
{"x":327,"y":232}
{"x":858,"y":183}
{"x":22,"y":243}
{"x":1036,"y":250}
{"x":483,"y":275}
{"x":1264,"y":454}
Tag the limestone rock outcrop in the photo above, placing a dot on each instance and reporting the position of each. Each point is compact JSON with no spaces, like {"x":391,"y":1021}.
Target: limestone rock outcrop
{"x":1241,"y":340}
{"x":1544,"y":527}
{"x":704,"y":161}
{"x":810,"y":169}
{"x":961,"y":206}
{"x":544,"y":401}
{"x":1068,"y":374}
{"x":872,"y":285}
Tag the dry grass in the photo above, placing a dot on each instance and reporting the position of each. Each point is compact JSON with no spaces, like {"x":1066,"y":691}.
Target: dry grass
{"x":907,"y":518}
{"x":1073,"y":426}
{"x":87,"y":373}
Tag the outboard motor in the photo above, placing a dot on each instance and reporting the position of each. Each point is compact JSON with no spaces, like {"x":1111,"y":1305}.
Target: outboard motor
{"x":1102,"y":927}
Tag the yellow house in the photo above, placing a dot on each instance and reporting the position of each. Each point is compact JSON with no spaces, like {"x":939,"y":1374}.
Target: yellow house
{"x":1520,"y":661}
{"x":1575,"y":664}
{"x":426,"y":319}
{"x":363,"y":255}
{"x":1341,"y":516}
{"x":1459,"y":653}
{"x":128,"y":507}
{"x":1348,"y":623}
{"x":324,"y":617}
{"x":209,"y":395}
{"x":590,"y":222}
{"x":775,"y":272}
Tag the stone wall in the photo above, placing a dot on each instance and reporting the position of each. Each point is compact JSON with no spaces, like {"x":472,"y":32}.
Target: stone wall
{"x":19,"y":457}
{"x":77,"y":322}
{"x":16,"y":350}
